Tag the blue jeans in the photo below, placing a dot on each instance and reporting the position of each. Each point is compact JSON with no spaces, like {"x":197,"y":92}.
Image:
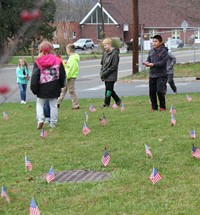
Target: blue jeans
{"x":46,"y":109}
{"x":22,"y":88}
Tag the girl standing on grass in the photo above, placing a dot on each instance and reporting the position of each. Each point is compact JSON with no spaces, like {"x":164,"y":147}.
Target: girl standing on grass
{"x":23,"y":75}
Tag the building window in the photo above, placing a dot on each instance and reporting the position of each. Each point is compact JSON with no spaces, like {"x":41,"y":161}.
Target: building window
{"x":96,"y":18}
{"x":197,"y":34}
{"x":176,"y":34}
{"x":152,"y":33}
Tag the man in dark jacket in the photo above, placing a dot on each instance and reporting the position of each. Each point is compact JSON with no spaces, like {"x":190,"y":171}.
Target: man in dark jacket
{"x":157,"y":60}
{"x":47,"y":79}
{"x":109,"y":72}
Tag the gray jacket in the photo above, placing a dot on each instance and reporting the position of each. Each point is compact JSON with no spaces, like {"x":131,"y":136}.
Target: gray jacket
{"x":170,"y":63}
{"x":109,"y":68}
{"x":159,"y":59}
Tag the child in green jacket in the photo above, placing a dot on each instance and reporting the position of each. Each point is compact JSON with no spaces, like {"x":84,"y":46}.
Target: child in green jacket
{"x":72,"y":70}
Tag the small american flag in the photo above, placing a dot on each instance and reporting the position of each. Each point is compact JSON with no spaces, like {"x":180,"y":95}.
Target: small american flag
{"x":195,"y":152}
{"x":189,"y":98}
{"x":122,"y":108}
{"x":173,"y":120}
{"x":34,"y":210}
{"x":4,"y":194}
{"x":86,"y":116}
{"x":28,"y":163}
{"x":50,"y":176}
{"x":114,"y":106}
{"x":92,"y":108}
{"x":192,"y":134}
{"x":106,"y":158}
{"x":155,"y":176}
{"x":148,"y":152}
{"x":5,"y":115}
{"x":85,"y":129}
{"x":172,"y":110}
{"x":103,"y":121}
{"x":43,"y":134}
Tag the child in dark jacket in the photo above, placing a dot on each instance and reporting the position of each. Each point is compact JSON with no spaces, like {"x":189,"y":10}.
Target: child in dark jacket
{"x":170,"y":71}
{"x":109,"y":72}
{"x":47,"y":80}
{"x":157,"y":60}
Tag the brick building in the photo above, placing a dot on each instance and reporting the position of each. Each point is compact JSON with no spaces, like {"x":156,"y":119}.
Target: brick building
{"x":155,"y":17}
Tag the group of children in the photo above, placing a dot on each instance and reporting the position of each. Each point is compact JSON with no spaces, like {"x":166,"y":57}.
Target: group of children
{"x":52,"y":79}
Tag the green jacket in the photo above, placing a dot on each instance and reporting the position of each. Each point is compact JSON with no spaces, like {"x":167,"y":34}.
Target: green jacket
{"x":72,"y":66}
{"x":20,"y":73}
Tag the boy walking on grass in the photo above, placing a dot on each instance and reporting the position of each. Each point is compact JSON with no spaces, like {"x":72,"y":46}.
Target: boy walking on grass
{"x":109,"y":72}
{"x":72,"y":70}
{"x":157,"y":60}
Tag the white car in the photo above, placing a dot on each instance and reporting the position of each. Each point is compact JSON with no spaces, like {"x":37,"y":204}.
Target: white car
{"x":174,"y":43}
{"x":84,"y":43}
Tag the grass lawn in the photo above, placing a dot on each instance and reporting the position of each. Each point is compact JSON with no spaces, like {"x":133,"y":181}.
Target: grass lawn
{"x":128,"y":190}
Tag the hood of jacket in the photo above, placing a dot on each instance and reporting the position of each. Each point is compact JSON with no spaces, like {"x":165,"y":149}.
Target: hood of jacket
{"x":47,"y":61}
{"x":75,"y":57}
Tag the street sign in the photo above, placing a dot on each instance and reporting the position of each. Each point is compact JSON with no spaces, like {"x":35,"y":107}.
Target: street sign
{"x":184,"y":25}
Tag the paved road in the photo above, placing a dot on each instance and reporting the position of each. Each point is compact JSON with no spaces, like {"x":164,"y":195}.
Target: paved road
{"x":89,"y":85}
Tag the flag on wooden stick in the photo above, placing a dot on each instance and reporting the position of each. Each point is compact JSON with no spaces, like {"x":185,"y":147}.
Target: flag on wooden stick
{"x":5,"y":115}
{"x":189,"y":98}
{"x":115,"y":106}
{"x":28,"y":163}
{"x":173,"y":120}
{"x":4,"y":194}
{"x":195,"y":152}
{"x":43,"y":134}
{"x":155,"y":176}
{"x":106,"y":158}
{"x":148,"y":152}
{"x":86,"y":116}
{"x":122,"y":108}
{"x":92,"y":108}
{"x":85,"y":129}
{"x":192,"y":134}
{"x":172,"y":110}
{"x":34,"y":210}
{"x":50,"y":176}
{"x":103,"y":120}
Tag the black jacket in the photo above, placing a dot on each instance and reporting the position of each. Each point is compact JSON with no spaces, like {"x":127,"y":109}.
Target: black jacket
{"x":48,"y":77}
{"x":159,"y":59}
{"x":109,"y":69}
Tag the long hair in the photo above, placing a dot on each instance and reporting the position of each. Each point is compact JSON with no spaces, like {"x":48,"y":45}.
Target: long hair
{"x":25,"y":63}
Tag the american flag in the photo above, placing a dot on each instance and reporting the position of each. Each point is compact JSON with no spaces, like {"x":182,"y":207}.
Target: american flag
{"x":172,"y":110}
{"x":189,"y":98}
{"x":5,"y":115}
{"x":34,"y":210}
{"x":148,"y":152}
{"x":114,"y":106}
{"x":92,"y":108}
{"x":4,"y":194}
{"x":86,"y":116}
{"x":103,"y":121}
{"x":122,"y":108}
{"x":192,"y":134}
{"x":195,"y":152}
{"x":28,"y":163}
{"x":85,"y":129}
{"x":155,"y":176}
{"x":106,"y":158}
{"x":43,"y":134}
{"x":50,"y":176}
{"x":173,"y":120}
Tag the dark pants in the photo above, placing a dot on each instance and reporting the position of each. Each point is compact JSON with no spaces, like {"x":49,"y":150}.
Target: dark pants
{"x":170,"y":80}
{"x":109,"y":92}
{"x":47,"y":109}
{"x":157,"y":87}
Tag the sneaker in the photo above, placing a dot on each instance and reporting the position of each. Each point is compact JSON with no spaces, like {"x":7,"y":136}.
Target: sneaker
{"x":76,"y":108}
{"x":162,"y":109}
{"x":119,"y":102}
{"x":47,"y":120}
{"x":40,"y":125}
{"x":22,"y":101}
{"x":52,"y":125}
{"x":105,"y":105}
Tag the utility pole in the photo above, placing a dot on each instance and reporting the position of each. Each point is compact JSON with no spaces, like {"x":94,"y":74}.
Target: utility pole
{"x":135,"y":55}
{"x":102,"y":21}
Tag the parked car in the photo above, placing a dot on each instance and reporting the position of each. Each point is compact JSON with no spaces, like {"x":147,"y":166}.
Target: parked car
{"x":130,"y":44}
{"x":174,"y":43}
{"x":84,"y":43}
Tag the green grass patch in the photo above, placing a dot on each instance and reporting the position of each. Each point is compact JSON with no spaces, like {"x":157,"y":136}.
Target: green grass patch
{"x":129,"y":190}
